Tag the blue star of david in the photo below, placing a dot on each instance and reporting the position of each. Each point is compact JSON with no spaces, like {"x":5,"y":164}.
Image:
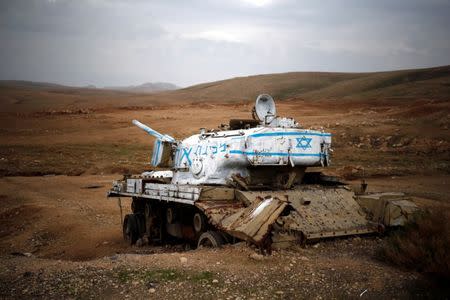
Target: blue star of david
{"x":304,"y":143}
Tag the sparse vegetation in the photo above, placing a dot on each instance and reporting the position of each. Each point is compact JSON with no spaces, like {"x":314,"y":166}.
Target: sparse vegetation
{"x":202,"y":276}
{"x":164,"y":275}
{"x":124,"y":276}
{"x":157,"y":275}
{"x":36,"y":160}
{"x":423,"y":245}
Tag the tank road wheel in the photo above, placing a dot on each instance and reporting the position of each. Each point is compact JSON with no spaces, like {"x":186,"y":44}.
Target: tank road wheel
{"x":130,"y":229}
{"x":137,"y":205}
{"x":148,"y":210}
{"x":149,"y":220}
{"x":153,"y":224}
{"x":199,"y":222}
{"x":210,"y":239}
{"x":140,"y":221}
{"x":170,"y":215}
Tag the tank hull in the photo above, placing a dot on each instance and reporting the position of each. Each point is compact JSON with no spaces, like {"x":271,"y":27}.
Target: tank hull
{"x":269,"y":218}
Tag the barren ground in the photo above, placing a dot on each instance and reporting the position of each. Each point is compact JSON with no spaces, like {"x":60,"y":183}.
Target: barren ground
{"x":57,"y":165}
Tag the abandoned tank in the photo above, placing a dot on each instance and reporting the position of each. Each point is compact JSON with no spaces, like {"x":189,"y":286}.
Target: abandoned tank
{"x":248,"y":181}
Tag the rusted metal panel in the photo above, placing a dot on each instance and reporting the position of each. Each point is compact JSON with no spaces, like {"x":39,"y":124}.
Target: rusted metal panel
{"x":217,"y":193}
{"x":388,"y":209}
{"x":399,"y":212}
{"x":252,"y":223}
{"x":325,"y":212}
{"x":318,"y":211}
{"x":218,"y":210}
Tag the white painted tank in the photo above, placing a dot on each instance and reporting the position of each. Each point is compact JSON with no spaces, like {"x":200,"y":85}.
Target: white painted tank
{"x":214,"y":157}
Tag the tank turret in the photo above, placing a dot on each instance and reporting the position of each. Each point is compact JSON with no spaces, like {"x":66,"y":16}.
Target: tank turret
{"x":268,"y":150}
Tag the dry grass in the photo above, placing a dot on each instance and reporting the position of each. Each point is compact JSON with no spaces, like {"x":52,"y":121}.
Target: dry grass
{"x":423,"y":245}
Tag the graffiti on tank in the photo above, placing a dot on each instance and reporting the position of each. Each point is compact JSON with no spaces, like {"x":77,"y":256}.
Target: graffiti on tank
{"x":201,"y":150}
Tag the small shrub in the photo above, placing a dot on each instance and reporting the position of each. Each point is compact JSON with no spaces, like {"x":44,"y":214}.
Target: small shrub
{"x":423,"y":245}
{"x":124,"y":276}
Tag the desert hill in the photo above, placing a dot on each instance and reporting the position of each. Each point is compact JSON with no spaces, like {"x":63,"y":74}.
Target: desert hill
{"x":430,"y":83}
{"x":25,"y":96}
{"x":20,"y":84}
{"x":149,"y":87}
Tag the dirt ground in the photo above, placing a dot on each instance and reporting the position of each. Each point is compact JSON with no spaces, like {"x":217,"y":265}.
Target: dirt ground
{"x":61,"y":237}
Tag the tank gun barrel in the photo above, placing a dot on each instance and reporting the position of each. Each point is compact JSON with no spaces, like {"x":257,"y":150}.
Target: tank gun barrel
{"x":156,"y":134}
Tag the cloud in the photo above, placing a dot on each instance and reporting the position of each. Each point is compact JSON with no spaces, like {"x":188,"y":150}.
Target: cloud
{"x":258,"y":2}
{"x":112,"y":42}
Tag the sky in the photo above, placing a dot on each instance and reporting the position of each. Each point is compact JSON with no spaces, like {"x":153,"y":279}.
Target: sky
{"x":112,"y":42}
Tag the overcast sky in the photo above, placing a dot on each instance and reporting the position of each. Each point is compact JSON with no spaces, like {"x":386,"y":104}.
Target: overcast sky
{"x":112,"y":42}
